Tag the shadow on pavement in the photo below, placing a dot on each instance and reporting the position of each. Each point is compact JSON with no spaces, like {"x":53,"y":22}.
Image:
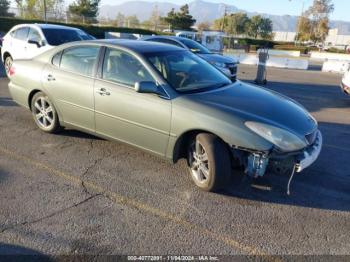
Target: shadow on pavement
{"x":2,"y":69}
{"x":7,"y":101}
{"x":3,"y":174}
{"x":77,"y":134}
{"x":315,"y":67}
{"x":18,"y":253}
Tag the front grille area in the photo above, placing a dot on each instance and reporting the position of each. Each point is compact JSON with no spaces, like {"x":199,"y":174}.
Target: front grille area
{"x":310,"y":138}
{"x":232,"y":67}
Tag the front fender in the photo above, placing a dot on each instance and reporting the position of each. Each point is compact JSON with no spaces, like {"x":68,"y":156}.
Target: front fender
{"x":188,"y":117}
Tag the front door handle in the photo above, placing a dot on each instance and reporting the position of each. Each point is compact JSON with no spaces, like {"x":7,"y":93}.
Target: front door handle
{"x":51,"y":78}
{"x":103,"y":92}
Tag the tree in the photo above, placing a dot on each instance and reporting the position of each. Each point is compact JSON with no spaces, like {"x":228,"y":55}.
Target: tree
{"x":85,"y":9}
{"x":132,"y":21}
{"x":155,"y":18}
{"x":237,"y":23}
{"x":254,"y":26}
{"x":180,"y":20}
{"x":241,"y":24}
{"x":266,"y":27}
{"x":119,"y":20}
{"x":34,"y":9}
{"x":303,"y":29}
{"x":314,"y":23}
{"x":259,"y":26}
{"x":204,"y":26}
{"x":233,"y":24}
{"x":4,"y":8}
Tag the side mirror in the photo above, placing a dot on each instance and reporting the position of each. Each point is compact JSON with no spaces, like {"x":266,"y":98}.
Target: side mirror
{"x":34,"y":42}
{"x":146,"y":87}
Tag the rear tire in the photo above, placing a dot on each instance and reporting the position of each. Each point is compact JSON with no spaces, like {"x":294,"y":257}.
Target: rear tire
{"x":209,"y":162}
{"x":7,"y":64}
{"x":44,"y":113}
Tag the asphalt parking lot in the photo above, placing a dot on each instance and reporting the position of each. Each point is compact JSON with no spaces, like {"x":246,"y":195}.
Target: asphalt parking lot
{"x":73,"y":193}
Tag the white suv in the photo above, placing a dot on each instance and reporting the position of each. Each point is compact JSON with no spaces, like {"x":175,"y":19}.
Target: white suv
{"x":25,"y":41}
{"x":346,"y":83}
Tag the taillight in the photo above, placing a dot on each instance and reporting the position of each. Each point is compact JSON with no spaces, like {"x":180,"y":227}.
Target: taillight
{"x":12,"y":71}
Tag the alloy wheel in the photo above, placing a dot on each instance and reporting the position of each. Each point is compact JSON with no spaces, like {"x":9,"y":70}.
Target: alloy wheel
{"x":43,"y":112}
{"x":8,"y":64}
{"x":199,"y":163}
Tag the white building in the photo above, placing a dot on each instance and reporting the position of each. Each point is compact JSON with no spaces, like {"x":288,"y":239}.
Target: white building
{"x":335,"y":38}
{"x":281,"y":36}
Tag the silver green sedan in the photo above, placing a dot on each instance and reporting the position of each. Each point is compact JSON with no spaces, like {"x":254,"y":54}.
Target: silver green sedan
{"x":167,"y":101}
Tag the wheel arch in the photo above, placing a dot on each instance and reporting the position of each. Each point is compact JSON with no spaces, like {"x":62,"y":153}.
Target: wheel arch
{"x":6,"y":54}
{"x":180,"y":147}
{"x":30,"y":97}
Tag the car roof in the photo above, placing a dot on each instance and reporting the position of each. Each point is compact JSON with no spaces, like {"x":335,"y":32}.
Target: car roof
{"x":137,"y":46}
{"x":165,"y":37}
{"x":49,"y":26}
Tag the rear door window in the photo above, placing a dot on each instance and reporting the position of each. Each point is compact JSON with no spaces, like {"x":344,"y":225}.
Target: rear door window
{"x":80,"y":60}
{"x":22,"y":33}
{"x":57,"y":36}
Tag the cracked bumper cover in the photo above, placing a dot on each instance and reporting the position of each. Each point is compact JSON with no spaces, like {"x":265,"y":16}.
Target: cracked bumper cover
{"x":310,"y":155}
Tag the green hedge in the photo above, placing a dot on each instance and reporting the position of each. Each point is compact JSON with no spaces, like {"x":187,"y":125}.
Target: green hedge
{"x":256,"y":42}
{"x":7,"y":23}
{"x":336,"y":50}
{"x":302,"y":49}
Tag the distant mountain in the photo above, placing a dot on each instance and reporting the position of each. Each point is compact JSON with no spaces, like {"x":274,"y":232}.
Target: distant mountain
{"x":204,"y":11}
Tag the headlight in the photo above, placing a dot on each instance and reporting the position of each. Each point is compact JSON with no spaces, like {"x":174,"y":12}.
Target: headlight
{"x":283,"y":139}
{"x":218,"y":64}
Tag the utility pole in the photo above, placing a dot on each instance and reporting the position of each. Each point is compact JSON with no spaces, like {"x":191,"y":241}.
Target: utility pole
{"x":45,"y":16}
{"x":223,"y":22}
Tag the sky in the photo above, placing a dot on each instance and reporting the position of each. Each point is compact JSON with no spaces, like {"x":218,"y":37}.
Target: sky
{"x":277,"y":7}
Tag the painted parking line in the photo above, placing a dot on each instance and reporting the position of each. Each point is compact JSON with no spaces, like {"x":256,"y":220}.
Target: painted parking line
{"x":136,"y":204}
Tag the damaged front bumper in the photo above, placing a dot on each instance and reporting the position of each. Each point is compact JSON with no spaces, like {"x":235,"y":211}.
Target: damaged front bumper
{"x":310,"y":155}
{"x":258,"y":162}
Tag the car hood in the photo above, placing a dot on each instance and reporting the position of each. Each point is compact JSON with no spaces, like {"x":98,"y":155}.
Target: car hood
{"x":253,"y":103}
{"x":211,"y":58}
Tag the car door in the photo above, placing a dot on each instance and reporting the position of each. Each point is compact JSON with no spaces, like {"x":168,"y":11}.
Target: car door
{"x":69,"y":80}
{"x":33,"y":49}
{"x":121,"y":113}
{"x":18,"y":43}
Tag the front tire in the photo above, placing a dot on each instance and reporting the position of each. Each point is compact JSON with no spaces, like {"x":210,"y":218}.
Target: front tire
{"x":209,"y":162}
{"x":44,"y":113}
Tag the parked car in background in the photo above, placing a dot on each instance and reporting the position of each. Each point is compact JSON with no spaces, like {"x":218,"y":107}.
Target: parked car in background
{"x":345,"y":84}
{"x":225,"y":64}
{"x":168,"y":101}
{"x":25,"y":41}
{"x":1,"y":39}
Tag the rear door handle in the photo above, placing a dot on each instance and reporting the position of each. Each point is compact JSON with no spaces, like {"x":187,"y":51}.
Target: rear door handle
{"x":51,"y":78}
{"x":103,"y":92}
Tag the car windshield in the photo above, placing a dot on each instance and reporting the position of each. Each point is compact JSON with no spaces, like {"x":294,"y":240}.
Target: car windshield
{"x":194,"y":46}
{"x":186,"y":72}
{"x":57,"y":36}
